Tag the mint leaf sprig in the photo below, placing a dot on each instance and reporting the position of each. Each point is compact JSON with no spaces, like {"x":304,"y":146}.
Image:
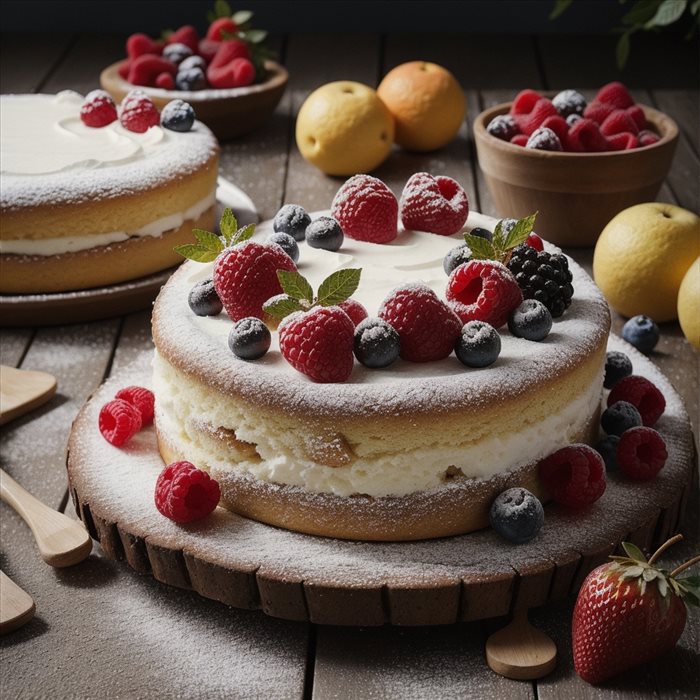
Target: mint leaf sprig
{"x":503,"y":242}
{"x":298,"y":295}
{"x":209,"y":245}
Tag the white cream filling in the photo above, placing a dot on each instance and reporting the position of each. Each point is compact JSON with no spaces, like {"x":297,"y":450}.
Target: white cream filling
{"x":74,"y":244}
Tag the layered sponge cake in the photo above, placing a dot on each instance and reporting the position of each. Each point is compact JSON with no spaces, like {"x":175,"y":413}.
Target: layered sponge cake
{"x":82,"y":207}
{"x":412,"y":451}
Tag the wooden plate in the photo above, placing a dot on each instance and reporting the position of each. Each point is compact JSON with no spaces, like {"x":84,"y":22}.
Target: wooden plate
{"x":228,"y":113}
{"x":289,"y":575}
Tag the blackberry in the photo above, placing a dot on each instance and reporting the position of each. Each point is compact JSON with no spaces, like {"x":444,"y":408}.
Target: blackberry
{"x":543,"y":276}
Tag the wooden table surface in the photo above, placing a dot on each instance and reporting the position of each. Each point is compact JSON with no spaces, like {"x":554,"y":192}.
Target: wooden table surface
{"x":102,"y":630}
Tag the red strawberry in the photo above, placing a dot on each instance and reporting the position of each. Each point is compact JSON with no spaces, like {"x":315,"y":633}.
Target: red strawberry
{"x":647,"y":138}
{"x":140,"y":44}
{"x":245,"y":276}
{"x":638,"y":116}
{"x":483,"y":290}
{"x":627,"y":613}
{"x":228,"y":50}
{"x":527,"y":123}
{"x":318,"y":343}
{"x":574,"y":475}
{"x":145,"y":69}
{"x":585,"y":136}
{"x":622,"y":141}
{"x":524,"y":102}
{"x":185,"y":493}
{"x":598,"y":111}
{"x":98,"y":109}
{"x":354,"y":309}
{"x":615,"y":94}
{"x":559,"y":126}
{"x":519,"y":139}
{"x":165,"y":81}
{"x":221,"y":29}
{"x":366,"y":210}
{"x":435,"y":204}
{"x":208,"y":48}
{"x":617,"y":122}
{"x":238,"y":73}
{"x":186,"y":35}
{"x":123,"y":69}
{"x":428,"y":328}
{"x":138,"y":113}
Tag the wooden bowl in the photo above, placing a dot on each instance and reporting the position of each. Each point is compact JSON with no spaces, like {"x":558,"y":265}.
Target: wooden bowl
{"x":228,"y":113}
{"x":576,"y":194}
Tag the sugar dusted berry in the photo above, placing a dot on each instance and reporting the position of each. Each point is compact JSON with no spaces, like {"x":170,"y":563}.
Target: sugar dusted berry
{"x":642,"y":332}
{"x":203,"y":299}
{"x":516,"y":515}
{"x":544,"y":139}
{"x":119,"y":421}
{"x":641,"y":453}
{"x":354,"y":309}
{"x":534,"y":241}
{"x":519,"y":140}
{"x":607,"y":448}
{"x":376,"y":343}
{"x":530,"y":320}
{"x":293,"y":220}
{"x":191,"y":79}
{"x":177,"y":115}
{"x":619,"y":417}
{"x":185,"y":494}
{"x":455,"y":257}
{"x":176,"y":53}
{"x":324,"y":233}
{"x":98,"y":109}
{"x":574,"y":475}
{"x":572,"y":119}
{"x":644,"y":395}
{"x":142,"y":399}
{"x":617,"y":367}
{"x":286,"y":242}
{"x":569,"y":102}
{"x":478,"y":344}
{"x":249,"y":338}
{"x":503,"y":127}
{"x":193,"y":62}
{"x":138,"y":113}
{"x":435,"y":204}
{"x":484,"y":233}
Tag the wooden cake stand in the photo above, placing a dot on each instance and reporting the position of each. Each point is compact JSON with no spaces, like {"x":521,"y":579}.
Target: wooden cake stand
{"x":250,"y":565}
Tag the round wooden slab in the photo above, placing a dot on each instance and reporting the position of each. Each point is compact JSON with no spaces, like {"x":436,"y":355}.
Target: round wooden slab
{"x":247,"y":564}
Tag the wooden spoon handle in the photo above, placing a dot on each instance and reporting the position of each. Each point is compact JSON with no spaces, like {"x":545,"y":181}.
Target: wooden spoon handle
{"x":62,"y":541}
{"x":16,"y":605}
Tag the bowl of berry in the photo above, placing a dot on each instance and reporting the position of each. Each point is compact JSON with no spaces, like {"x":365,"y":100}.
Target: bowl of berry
{"x":578,"y":163}
{"x":227,"y":75}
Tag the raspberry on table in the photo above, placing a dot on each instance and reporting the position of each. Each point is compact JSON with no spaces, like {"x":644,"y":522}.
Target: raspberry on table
{"x":376,"y":343}
{"x":185,"y":494}
{"x":516,"y":515}
{"x":503,"y":127}
{"x":140,"y":397}
{"x":138,"y":44}
{"x":324,"y":233}
{"x":138,"y":113}
{"x":619,"y":417}
{"x":292,"y":219}
{"x":203,"y":299}
{"x":642,"y":394}
{"x":641,"y":453}
{"x":617,"y":367}
{"x":544,"y":139}
{"x":354,"y":309}
{"x":119,"y":421}
{"x":98,"y":109}
{"x":574,"y":475}
{"x":638,"y":116}
{"x":434,"y":204}
{"x":478,"y":344}
{"x":568,"y":102}
{"x":249,"y":338}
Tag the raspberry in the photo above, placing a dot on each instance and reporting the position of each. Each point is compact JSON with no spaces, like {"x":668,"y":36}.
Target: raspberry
{"x":237,"y":73}
{"x":141,"y":398}
{"x":186,"y":35}
{"x":319,"y":343}
{"x":366,"y":209}
{"x":245,"y":277}
{"x":434,"y":204}
{"x":622,"y":142}
{"x":355,"y":310}
{"x":98,"y":109}
{"x":574,"y":475}
{"x":208,"y":48}
{"x":647,"y":138}
{"x":119,"y":421}
{"x":185,"y":493}
{"x":227,"y":51}
{"x":144,"y":69}
{"x":527,"y":123}
{"x":165,"y":81}
{"x":585,"y":136}
{"x":615,"y":94}
{"x":618,"y":122}
{"x":503,"y":127}
{"x":638,"y":117}
{"x":428,"y":328}
{"x":544,"y":139}
{"x":641,"y":453}
{"x":640,"y":392}
{"x":138,"y":113}
{"x":524,"y":101}
{"x":221,"y":29}
{"x":519,"y":140}
{"x":559,"y":126}
{"x":483,"y":290}
{"x":598,"y":111}
{"x":123,"y":68}
{"x":140,"y":44}
{"x":534,"y":241}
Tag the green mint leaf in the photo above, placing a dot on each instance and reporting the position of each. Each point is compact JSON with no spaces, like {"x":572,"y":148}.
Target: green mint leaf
{"x":633,"y":552}
{"x":560,"y":6}
{"x":519,"y":233}
{"x":243,"y":234}
{"x":296,"y":286}
{"x":222,"y":9}
{"x":281,"y":305}
{"x":339,"y":286}
{"x":254,"y":36}
{"x":622,"y":50}
{"x":228,"y":225}
{"x":208,"y":240}
{"x":196,"y":252}
{"x":242,"y":17}
{"x":668,"y":12}
{"x":498,"y":239}
{"x":481,"y":248}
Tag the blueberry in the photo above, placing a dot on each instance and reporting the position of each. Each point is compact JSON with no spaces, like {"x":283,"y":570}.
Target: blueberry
{"x":249,"y":338}
{"x":177,"y":115}
{"x":292,"y":219}
{"x":193,"y":62}
{"x":619,"y":417}
{"x":482,"y":233}
{"x":377,"y":344}
{"x":456,"y":257}
{"x":641,"y":332}
{"x":324,"y":233}
{"x":478,"y":344}
{"x":190,"y":79}
{"x":607,"y":448}
{"x":544,"y":139}
{"x":516,"y":515}
{"x":531,"y":320}
{"x":572,"y":119}
{"x":204,"y":300}
{"x":569,"y":102}
{"x":617,"y":366}
{"x":286,"y":242}
{"x":503,"y":127}
{"x":176,"y":53}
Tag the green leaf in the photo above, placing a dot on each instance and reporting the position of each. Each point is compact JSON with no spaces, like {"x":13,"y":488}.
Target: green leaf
{"x":242,"y":17}
{"x":650,"y":574}
{"x":690,"y":588}
{"x":196,"y":252}
{"x":339,"y":286}
{"x":498,"y":238}
{"x":662,"y":583}
{"x":281,"y":305}
{"x":254,"y":36}
{"x":669,"y":12}
{"x":222,"y":9}
{"x":695,"y":7}
{"x":481,"y":248}
{"x":243,"y":234}
{"x":640,"y":12}
{"x":633,"y":552}
{"x":622,"y":50}
{"x":211,"y":16}
{"x":295,"y":285}
{"x":632,"y":572}
{"x":228,"y":225}
{"x":560,"y":6}
{"x":208,"y":240}
{"x":519,"y":233}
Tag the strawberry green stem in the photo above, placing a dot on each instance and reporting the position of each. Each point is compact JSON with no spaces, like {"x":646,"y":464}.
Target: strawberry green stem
{"x":683,"y":567}
{"x":664,"y":547}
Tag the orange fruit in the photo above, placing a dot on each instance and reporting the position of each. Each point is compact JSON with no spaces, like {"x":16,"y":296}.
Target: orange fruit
{"x":343,"y":128}
{"x":427,"y":103}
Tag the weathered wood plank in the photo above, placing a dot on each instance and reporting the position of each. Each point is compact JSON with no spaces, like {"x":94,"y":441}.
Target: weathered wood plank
{"x":27,"y":60}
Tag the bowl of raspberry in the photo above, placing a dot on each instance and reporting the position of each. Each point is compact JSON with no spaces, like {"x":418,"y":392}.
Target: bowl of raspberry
{"x":578,"y":163}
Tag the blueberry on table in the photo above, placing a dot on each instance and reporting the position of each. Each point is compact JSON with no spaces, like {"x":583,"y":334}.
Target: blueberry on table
{"x":619,"y":417}
{"x":642,"y":332}
{"x":516,"y":515}
{"x":203,"y":299}
{"x":249,"y":338}
{"x":293,"y":220}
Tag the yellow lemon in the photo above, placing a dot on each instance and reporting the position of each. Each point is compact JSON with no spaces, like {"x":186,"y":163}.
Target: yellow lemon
{"x":343,"y":128}
{"x":689,"y":305}
{"x":641,"y":257}
{"x":427,"y":103}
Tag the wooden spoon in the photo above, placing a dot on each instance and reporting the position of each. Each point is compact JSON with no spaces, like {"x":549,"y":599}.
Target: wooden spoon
{"x":62,"y":541}
{"x":16,"y":605}
{"x":22,"y":390}
{"x":521,"y":651}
